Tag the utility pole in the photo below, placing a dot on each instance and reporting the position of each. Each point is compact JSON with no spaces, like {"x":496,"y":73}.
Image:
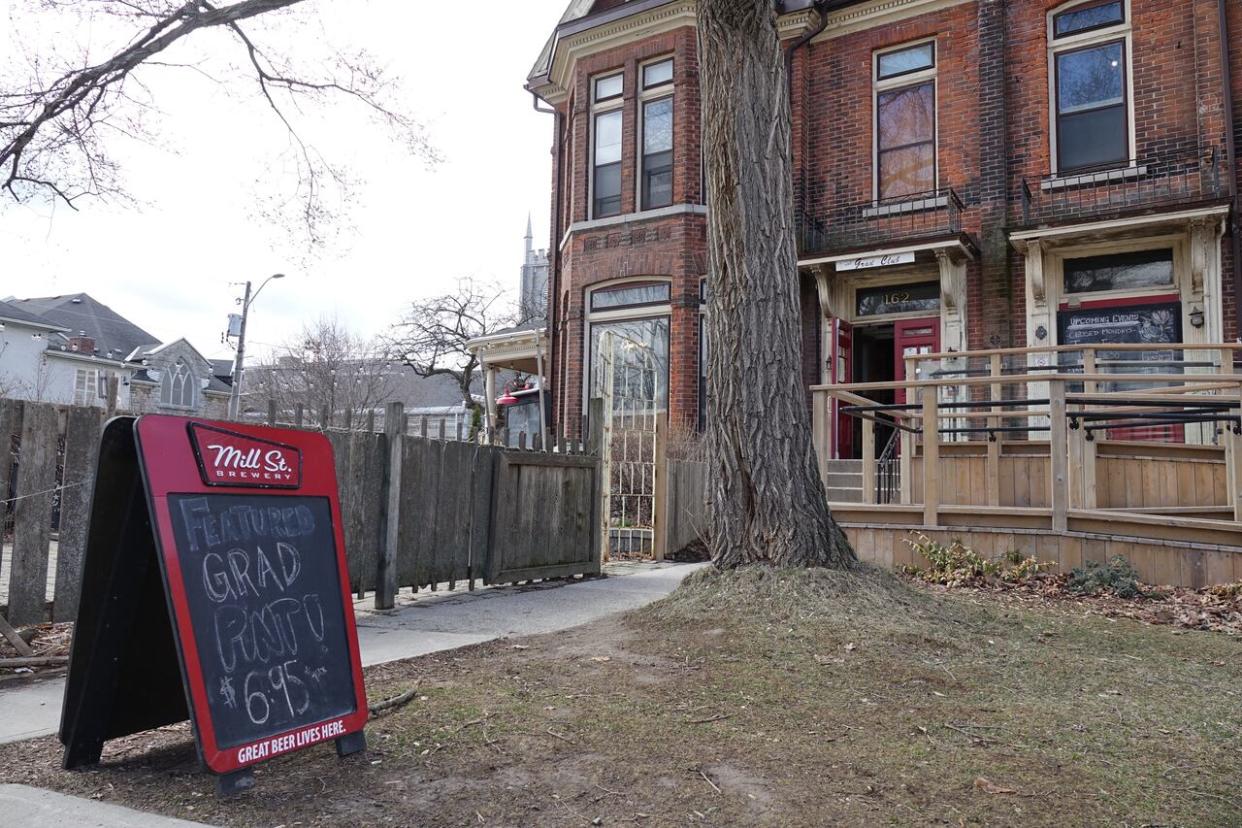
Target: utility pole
{"x":239,"y":360}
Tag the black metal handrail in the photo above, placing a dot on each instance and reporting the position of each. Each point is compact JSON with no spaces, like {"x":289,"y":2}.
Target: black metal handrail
{"x":870,"y":223}
{"x":1156,"y":180}
{"x":888,"y":471}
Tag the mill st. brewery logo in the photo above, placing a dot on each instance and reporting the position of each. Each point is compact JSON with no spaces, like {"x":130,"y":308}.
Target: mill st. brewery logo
{"x":226,"y":458}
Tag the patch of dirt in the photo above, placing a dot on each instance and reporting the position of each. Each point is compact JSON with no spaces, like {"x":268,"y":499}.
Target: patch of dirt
{"x":44,"y":640}
{"x":756,"y":698}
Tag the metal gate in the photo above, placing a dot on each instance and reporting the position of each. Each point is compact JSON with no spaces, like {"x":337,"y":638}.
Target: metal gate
{"x":629,"y":385}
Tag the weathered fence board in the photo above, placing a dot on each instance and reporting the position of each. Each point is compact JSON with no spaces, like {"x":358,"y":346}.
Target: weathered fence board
{"x":444,"y":495}
{"x":528,"y":487}
{"x":82,"y":431}
{"x":685,"y":504}
{"x":36,"y":479}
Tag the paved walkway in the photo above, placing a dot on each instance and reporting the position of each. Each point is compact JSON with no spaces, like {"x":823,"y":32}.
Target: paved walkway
{"x":426,"y":622}
{"x":23,"y":805}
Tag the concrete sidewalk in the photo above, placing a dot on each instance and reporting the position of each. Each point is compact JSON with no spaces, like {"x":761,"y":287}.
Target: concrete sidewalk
{"x":23,"y":805}
{"x":426,"y":622}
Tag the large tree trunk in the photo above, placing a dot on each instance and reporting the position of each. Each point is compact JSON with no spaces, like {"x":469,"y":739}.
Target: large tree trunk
{"x":767,"y":501}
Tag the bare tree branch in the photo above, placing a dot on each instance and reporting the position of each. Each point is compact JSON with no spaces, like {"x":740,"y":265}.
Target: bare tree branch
{"x":326,"y":367}
{"x":50,"y":125}
{"x":432,"y":336}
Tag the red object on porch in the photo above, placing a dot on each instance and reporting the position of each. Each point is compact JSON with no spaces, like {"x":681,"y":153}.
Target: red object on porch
{"x":910,"y":337}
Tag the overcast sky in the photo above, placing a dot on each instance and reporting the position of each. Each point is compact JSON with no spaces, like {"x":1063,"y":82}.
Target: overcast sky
{"x":217,"y":151}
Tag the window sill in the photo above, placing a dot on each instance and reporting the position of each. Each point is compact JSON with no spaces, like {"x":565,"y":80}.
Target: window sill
{"x":1057,"y":182}
{"x":917,"y":205}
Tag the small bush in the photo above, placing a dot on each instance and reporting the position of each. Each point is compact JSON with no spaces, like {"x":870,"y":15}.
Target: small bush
{"x":956,"y":563}
{"x":1117,"y":577}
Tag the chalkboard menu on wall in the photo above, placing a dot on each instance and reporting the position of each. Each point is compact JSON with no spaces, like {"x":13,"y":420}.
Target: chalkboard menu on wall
{"x":215,"y":587}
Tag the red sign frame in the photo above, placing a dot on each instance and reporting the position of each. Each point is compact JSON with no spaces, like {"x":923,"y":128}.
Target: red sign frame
{"x":171,"y":465}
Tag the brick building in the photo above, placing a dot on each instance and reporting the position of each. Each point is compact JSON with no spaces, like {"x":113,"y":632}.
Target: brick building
{"x":968,"y":174}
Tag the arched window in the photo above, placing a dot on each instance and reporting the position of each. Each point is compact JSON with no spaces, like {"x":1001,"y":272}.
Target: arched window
{"x":633,"y":317}
{"x":177,"y":387}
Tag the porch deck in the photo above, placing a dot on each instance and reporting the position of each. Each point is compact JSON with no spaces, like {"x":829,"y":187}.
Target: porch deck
{"x":1068,"y":453}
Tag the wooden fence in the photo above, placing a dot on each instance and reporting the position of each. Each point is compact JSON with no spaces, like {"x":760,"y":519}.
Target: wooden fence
{"x":417,"y":512}
{"x":685,"y":504}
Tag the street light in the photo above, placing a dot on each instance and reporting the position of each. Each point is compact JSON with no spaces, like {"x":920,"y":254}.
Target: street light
{"x":239,"y":359}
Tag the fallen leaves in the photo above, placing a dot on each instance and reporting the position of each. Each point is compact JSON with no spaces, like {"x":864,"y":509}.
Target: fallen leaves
{"x":1215,"y":608}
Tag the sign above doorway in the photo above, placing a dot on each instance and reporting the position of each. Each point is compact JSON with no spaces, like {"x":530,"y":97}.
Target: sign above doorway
{"x":868,"y":262}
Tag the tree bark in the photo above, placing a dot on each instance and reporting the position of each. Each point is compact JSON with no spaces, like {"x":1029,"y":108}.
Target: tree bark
{"x":767,"y":502}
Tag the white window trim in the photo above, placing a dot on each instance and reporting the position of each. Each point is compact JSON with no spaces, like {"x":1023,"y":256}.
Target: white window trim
{"x":663,"y":310}
{"x":900,"y":82}
{"x":1121,"y":31}
{"x":599,"y":108}
{"x":645,"y":96}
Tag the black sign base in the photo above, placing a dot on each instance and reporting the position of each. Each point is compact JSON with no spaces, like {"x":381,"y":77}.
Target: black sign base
{"x":231,"y":784}
{"x":124,"y":676}
{"x":351,"y":743}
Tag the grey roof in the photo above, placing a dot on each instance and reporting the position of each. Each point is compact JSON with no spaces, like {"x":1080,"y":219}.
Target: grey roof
{"x":428,"y":392}
{"x":10,"y":312}
{"x":222,"y":368}
{"x":79,"y":312}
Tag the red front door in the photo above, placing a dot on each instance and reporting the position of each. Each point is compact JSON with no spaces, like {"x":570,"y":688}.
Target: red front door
{"x":841,"y":369}
{"x":910,"y":337}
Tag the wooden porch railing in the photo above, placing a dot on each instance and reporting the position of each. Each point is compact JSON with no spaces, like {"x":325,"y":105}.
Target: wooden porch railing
{"x":1058,"y":411}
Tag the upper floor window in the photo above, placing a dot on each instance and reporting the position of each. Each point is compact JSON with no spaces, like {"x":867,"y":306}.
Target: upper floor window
{"x":177,"y":386}
{"x":1089,"y":43}
{"x":606,"y":124}
{"x":89,"y":386}
{"x":905,"y":107}
{"x":657,"y":154}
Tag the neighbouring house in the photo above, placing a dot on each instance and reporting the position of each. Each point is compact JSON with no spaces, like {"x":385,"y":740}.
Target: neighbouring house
{"x":967,"y":175}
{"x":513,"y":360}
{"x":69,"y":349}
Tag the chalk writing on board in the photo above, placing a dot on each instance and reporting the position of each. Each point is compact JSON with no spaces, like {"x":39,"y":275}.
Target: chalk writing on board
{"x":264,"y":591}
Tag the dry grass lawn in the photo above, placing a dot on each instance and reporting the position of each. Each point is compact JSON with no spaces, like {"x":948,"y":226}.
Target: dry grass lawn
{"x":758,"y":698}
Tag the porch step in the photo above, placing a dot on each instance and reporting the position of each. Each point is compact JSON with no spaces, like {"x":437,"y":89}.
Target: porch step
{"x":843,"y":480}
{"x":838,"y":494}
{"x":843,"y":466}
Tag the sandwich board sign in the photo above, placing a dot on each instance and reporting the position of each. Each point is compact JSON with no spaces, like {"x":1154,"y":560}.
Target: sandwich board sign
{"x":215,"y":589}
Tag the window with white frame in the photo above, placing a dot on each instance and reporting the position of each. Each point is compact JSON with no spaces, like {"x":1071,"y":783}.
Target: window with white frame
{"x":656,"y":161}
{"x":1089,"y":45}
{"x":177,"y":386}
{"x":86,"y":387}
{"x":905,"y":120}
{"x":634,"y":317}
{"x":606,"y":126}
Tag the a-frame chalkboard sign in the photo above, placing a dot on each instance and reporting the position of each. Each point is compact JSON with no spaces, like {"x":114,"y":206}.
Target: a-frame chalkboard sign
{"x":215,"y":588}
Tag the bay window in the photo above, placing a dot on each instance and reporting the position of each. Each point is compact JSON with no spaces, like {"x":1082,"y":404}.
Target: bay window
{"x":606,"y":124}
{"x":657,"y":141}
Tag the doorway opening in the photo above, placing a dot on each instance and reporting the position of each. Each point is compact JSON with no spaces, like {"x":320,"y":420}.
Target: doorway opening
{"x":874,"y":346}
{"x":875,"y":352}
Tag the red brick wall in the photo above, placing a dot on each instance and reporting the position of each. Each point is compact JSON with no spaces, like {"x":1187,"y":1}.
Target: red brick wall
{"x":671,"y":247}
{"x":993,"y":133}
